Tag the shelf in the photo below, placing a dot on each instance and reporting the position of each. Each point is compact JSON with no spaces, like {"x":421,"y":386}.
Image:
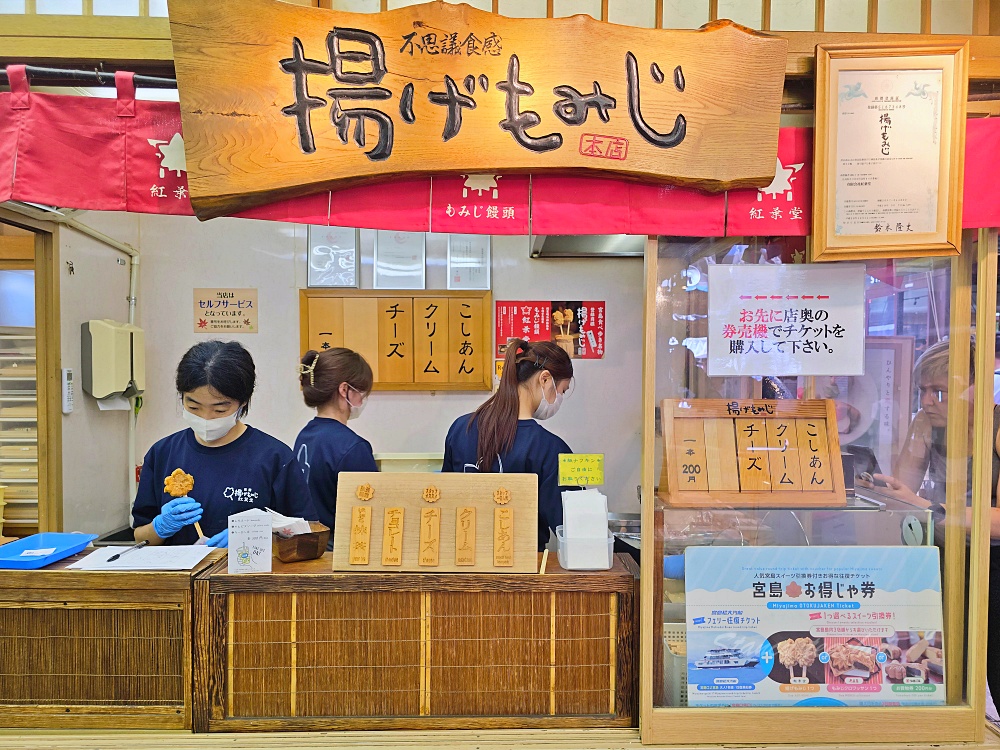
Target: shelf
{"x":18,"y":481}
{"x":17,"y":439}
{"x":10,"y":379}
{"x":19,"y":419}
{"x":18,"y":461}
{"x":18,"y":397}
{"x":22,"y":501}
{"x":17,"y":337}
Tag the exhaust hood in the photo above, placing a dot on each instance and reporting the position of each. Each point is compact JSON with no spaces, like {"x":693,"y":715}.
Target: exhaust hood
{"x":588,"y":246}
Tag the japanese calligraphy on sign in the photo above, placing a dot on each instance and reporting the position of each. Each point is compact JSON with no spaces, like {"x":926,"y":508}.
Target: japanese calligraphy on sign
{"x":889,"y":150}
{"x":323,"y":98}
{"x":583,"y":469}
{"x":578,"y":327}
{"x":478,"y":523}
{"x":747,"y":453}
{"x":802,"y":319}
{"x":779,"y":626}
{"x":225,"y":311}
{"x":427,"y":341}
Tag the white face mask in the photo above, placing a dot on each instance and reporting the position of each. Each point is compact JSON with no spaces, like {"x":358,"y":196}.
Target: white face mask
{"x":210,"y":430}
{"x":356,"y":410}
{"x":546,"y":408}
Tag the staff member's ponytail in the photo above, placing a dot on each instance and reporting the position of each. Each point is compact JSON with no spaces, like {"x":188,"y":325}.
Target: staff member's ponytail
{"x":497,"y":417}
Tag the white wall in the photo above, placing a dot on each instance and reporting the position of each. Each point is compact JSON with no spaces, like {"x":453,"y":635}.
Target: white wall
{"x":179,"y":254}
{"x":95,"y":465}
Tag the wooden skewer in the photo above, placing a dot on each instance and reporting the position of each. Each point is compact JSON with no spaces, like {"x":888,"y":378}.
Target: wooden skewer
{"x":545,"y":559}
{"x":197,"y":527}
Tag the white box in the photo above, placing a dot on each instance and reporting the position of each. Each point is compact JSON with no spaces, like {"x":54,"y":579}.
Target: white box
{"x":585,"y":554}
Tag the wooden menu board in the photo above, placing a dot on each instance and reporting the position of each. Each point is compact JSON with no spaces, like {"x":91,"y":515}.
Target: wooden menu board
{"x":436,"y":522}
{"x":414,"y":341}
{"x":751,"y":453}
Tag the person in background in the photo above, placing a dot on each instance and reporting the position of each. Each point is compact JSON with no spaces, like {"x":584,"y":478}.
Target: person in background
{"x":335,"y":383}
{"x":920,"y":473}
{"x":502,"y":434}
{"x":235,"y":467}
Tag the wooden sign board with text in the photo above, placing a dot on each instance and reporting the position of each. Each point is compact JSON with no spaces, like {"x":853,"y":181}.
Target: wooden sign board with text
{"x":436,"y":523}
{"x":743,"y":453}
{"x":414,"y":341}
{"x":279,"y":100}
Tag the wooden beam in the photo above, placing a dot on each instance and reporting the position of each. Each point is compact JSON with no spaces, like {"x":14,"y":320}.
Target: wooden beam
{"x":872,"y":16}
{"x":925,"y":16}
{"x":17,"y":247}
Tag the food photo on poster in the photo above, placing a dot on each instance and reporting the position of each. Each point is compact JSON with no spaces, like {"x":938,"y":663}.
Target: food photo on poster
{"x":575,"y":326}
{"x":800,"y":626}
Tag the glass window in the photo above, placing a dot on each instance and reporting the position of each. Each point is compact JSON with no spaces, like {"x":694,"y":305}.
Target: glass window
{"x":59,"y":7}
{"x":116,"y":7}
{"x":906,"y":461}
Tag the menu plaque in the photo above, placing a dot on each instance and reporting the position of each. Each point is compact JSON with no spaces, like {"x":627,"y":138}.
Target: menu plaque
{"x":361,"y":534}
{"x":430,"y":536}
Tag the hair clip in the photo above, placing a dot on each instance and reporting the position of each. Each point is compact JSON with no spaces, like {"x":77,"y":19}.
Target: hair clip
{"x":309,"y":370}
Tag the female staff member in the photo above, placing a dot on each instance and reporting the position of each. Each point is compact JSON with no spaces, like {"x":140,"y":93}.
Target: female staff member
{"x":335,"y":383}
{"x":502,"y":434}
{"x":235,"y":467}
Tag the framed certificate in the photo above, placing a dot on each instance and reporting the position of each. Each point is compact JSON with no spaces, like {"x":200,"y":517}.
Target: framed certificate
{"x":469,"y":261}
{"x":399,"y":260}
{"x":333,"y":256}
{"x":889,"y":150}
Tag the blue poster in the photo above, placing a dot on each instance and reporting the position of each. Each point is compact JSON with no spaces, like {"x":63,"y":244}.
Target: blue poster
{"x":814,"y":626}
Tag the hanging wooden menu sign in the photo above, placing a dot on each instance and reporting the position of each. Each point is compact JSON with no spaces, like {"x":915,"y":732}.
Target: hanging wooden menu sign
{"x":414,"y":341}
{"x":361,"y":533}
{"x":392,"y":537}
{"x":465,"y":536}
{"x":441,"y":523}
{"x":751,"y":453}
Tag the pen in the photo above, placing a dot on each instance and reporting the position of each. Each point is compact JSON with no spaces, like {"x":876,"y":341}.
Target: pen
{"x":115,"y":556}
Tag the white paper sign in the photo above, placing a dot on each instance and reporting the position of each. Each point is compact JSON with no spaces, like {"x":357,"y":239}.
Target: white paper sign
{"x":38,"y":552}
{"x":786,"y":319}
{"x":888,"y":151}
{"x":250,"y":542}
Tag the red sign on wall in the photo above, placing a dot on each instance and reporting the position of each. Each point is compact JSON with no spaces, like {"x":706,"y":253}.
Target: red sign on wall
{"x":576,"y":326}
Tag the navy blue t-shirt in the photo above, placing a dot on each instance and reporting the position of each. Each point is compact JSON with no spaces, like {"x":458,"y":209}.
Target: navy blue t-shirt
{"x":254,"y":471}
{"x":535,"y":451}
{"x":324,"y":448}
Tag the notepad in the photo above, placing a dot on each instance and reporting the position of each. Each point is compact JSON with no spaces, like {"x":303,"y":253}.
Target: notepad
{"x":147,"y":558}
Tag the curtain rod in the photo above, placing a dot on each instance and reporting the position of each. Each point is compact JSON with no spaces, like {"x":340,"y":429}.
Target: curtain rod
{"x":98,"y":77}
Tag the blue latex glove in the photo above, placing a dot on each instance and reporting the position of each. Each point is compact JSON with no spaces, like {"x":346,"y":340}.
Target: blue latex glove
{"x":219,"y":540}
{"x":175,"y":515}
{"x":673,"y":566}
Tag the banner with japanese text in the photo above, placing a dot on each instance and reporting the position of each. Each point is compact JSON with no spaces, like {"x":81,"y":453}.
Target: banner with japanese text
{"x":814,"y":626}
{"x":578,"y":327}
{"x":771,"y":319}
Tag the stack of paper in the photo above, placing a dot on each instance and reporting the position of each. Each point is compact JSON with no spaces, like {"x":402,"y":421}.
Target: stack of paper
{"x":585,"y":526}
{"x":250,"y":542}
{"x":146,"y":558}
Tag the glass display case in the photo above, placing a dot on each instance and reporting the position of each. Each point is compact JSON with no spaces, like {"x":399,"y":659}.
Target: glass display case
{"x":791,"y":608}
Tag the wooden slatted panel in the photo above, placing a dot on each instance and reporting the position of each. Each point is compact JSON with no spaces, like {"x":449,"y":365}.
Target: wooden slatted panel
{"x":489,"y":654}
{"x":358,"y":654}
{"x":583,"y":658}
{"x":91,"y":657}
{"x":261,"y":652}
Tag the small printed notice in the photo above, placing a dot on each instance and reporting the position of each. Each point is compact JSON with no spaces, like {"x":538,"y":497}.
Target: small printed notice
{"x":804,"y":319}
{"x":38,"y":552}
{"x":250,"y":542}
{"x":581,"y":469}
{"x":888,"y":152}
{"x":577,"y":327}
{"x":814,"y":626}
{"x":225,"y":311}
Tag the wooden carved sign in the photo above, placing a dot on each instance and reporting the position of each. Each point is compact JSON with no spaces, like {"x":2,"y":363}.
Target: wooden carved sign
{"x":279,"y":100}
{"x":738,"y":454}
{"x":436,"y":523}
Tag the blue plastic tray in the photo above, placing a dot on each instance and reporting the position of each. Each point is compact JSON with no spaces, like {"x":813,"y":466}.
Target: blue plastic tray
{"x":64,"y":545}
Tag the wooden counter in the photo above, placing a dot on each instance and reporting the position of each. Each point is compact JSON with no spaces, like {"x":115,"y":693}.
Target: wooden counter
{"x":87,"y":649}
{"x":305,"y":648}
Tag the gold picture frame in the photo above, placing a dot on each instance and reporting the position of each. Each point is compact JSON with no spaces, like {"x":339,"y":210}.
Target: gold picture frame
{"x":873,"y":193}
